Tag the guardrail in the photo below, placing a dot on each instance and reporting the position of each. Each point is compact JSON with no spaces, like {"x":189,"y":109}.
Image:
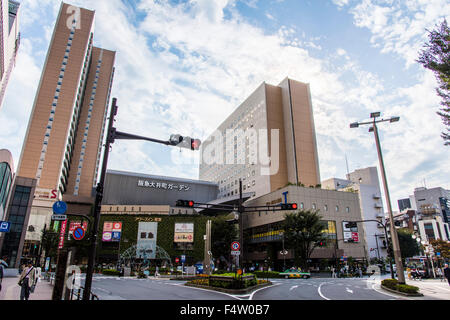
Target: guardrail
{"x":79,"y":292}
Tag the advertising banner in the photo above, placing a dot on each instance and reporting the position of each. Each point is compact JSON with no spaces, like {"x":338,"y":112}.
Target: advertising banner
{"x":61,"y":234}
{"x":184,"y":227}
{"x":350,"y":234}
{"x":183,"y":237}
{"x":111,"y":231}
{"x":146,"y":240}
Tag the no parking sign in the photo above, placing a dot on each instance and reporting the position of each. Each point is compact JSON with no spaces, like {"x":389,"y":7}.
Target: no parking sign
{"x":78,"y":233}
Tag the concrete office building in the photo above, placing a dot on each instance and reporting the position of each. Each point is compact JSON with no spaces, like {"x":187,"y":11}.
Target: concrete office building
{"x":62,"y":146}
{"x":263,"y":230}
{"x":365,"y":182}
{"x":275,"y":122}
{"x":9,"y":41}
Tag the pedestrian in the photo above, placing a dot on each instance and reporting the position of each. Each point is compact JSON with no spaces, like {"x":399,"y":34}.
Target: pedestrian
{"x":447,"y":273}
{"x":27,"y":281}
{"x":333,"y":275}
{"x":360,"y":272}
{"x":3,"y":265}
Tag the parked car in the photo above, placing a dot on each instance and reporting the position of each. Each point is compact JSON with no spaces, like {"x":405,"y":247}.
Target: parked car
{"x":294,"y":273}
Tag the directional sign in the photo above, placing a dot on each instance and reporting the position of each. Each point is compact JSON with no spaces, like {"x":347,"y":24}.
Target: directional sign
{"x":59,"y":207}
{"x":59,"y":217}
{"x":235,"y":253}
{"x":235,"y":246}
{"x":78,"y":233}
{"x":5,"y":226}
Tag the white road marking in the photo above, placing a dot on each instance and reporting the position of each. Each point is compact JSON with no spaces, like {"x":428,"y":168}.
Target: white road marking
{"x":348,"y":290}
{"x":293,"y":287}
{"x":251,"y":296}
{"x":320,"y":292}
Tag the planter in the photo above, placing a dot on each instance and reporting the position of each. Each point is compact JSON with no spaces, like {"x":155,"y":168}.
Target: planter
{"x":402,"y":293}
{"x":231,"y":291}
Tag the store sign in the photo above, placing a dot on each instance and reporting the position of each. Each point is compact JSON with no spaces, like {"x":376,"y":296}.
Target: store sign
{"x":112,"y":231}
{"x":184,"y":232}
{"x":163,"y":185}
{"x":184,"y":227}
{"x":146,"y":240}
{"x":183,"y":237}
{"x":350,"y":234}
{"x":61,"y":234}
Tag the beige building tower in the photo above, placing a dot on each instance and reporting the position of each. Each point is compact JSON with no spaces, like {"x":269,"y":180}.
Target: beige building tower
{"x":269,"y":141}
{"x":9,"y":41}
{"x":62,"y":146}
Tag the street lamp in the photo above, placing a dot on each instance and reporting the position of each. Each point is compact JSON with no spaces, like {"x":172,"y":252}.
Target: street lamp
{"x":394,"y":236}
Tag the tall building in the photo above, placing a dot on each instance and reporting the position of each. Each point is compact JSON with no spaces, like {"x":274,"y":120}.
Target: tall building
{"x":365,"y":182}
{"x":9,"y":41}
{"x":62,"y":146}
{"x":268,"y":141}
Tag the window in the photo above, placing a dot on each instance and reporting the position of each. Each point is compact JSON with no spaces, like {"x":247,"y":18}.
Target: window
{"x":325,"y":207}
{"x":314,"y":206}
{"x":347,"y":209}
{"x":302,"y":205}
{"x":337,"y":208}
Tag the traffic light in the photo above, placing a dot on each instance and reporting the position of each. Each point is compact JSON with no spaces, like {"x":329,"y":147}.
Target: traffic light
{"x":184,"y":142}
{"x":289,"y":206}
{"x":185,"y":203}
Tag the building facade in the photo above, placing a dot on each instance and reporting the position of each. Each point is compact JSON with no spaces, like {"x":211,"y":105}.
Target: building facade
{"x":263,"y":230}
{"x":9,"y":41}
{"x":365,"y":182}
{"x":268,"y":142}
{"x":62,"y":146}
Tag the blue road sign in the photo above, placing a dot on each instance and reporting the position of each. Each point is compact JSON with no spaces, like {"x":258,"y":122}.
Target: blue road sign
{"x":183,"y":258}
{"x":59,"y":207}
{"x":78,"y":233}
{"x":5,"y":226}
{"x":438,"y":254}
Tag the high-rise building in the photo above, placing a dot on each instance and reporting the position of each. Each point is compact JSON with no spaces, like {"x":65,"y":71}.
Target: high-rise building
{"x":9,"y":41}
{"x":62,"y":146}
{"x":268,"y":141}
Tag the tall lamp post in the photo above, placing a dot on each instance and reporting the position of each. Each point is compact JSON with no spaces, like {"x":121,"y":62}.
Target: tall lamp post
{"x":394,"y":236}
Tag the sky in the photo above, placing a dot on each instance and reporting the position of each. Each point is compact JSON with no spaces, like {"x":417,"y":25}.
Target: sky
{"x":183,"y":66}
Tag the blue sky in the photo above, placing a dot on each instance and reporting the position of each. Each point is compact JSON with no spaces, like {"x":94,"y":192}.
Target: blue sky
{"x":184,"y":66}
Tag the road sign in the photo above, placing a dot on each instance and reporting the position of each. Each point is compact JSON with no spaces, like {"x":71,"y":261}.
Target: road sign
{"x":438,"y":254}
{"x":177,"y":260}
{"x":235,"y":246}
{"x":59,"y":207}
{"x":5,"y":226}
{"x":59,"y":217}
{"x":78,"y":233}
{"x":235,"y":253}
{"x":47,"y":264}
{"x":183,"y":258}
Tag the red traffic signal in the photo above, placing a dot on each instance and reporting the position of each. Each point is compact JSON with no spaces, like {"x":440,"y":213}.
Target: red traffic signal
{"x":289,"y":206}
{"x":185,"y":203}
{"x":195,"y":144}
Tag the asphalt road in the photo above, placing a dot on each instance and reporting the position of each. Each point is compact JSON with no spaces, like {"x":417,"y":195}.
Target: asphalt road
{"x":114,"y":288}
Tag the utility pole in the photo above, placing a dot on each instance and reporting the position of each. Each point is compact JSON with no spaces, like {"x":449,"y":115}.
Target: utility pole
{"x":241,"y":226}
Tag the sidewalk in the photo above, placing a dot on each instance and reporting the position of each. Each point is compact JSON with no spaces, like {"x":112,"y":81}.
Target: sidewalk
{"x":432,"y":288}
{"x":11,"y":290}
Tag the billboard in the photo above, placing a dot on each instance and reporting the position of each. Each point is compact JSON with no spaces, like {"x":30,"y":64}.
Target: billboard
{"x":111,"y":231}
{"x":350,"y":234}
{"x":184,"y":232}
{"x":146,"y":240}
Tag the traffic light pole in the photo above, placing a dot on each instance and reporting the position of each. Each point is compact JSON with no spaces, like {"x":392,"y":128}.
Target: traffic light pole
{"x":112,"y":135}
{"x":241,"y":226}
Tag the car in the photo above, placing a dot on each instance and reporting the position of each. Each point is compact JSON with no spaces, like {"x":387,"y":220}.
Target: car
{"x":294,"y":273}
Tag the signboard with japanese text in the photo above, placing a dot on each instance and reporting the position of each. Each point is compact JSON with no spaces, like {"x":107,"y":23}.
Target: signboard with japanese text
{"x":61,"y":234}
{"x":163,"y":185}
{"x":183,"y":237}
{"x":184,"y":227}
{"x":184,"y":232}
{"x":350,"y":233}
{"x":111,"y":231}
{"x":146,"y":241}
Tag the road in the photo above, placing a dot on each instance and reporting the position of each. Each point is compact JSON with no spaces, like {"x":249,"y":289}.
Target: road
{"x":114,"y":288}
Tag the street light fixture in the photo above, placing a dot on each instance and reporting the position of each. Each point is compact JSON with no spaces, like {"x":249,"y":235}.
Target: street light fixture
{"x":394,"y":236}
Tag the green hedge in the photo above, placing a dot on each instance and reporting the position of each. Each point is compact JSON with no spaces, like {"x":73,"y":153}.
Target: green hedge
{"x":111,"y":272}
{"x":394,"y":285}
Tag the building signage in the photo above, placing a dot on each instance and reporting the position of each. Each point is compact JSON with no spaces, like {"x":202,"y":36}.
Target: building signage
{"x":163,"y":185}
{"x":146,"y":240}
{"x":183,"y":237}
{"x":149,"y":219}
{"x":59,"y":217}
{"x":184,"y":232}
{"x":111,"y":231}
{"x":5,"y":226}
{"x":184,"y":227}
{"x":350,"y":234}
{"x":61,"y":234}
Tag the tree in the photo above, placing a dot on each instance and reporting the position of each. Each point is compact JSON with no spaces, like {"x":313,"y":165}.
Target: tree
{"x":49,"y":242}
{"x":436,"y":57}
{"x":441,"y":246}
{"x":408,"y":246}
{"x":223,"y":233}
{"x":303,"y":230}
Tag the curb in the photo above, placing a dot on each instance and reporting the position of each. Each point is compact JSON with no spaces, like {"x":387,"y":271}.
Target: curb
{"x":401,"y":293}
{"x":231,"y":291}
